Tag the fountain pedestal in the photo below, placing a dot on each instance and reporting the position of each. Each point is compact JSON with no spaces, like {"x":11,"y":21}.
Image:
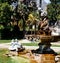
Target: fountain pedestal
{"x":44,"y":46}
{"x":47,"y":55}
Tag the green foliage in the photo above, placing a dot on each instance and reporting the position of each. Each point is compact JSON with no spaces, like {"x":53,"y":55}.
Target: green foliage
{"x":1,"y":27}
{"x":5,"y":12}
{"x":58,"y":12}
{"x":58,"y":17}
{"x":53,"y":10}
{"x":2,"y":1}
{"x":55,"y":1}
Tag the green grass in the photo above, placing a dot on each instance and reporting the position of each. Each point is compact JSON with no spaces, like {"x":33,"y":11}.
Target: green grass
{"x":26,"y":44}
{"x":3,"y":58}
{"x":13,"y":59}
{"x":30,"y":44}
{"x":36,"y":44}
{"x":5,"y":41}
{"x":55,"y":45}
{"x":17,"y":59}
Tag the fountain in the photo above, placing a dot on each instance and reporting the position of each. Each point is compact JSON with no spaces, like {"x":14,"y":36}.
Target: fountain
{"x":44,"y":52}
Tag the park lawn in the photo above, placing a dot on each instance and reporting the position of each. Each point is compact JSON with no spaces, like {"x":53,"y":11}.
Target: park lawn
{"x":55,"y":45}
{"x":3,"y":58}
{"x":17,"y":59}
{"x":30,"y":44}
{"x":13,"y":59}
{"x":36,"y":44}
{"x":26,"y":44}
{"x":5,"y":41}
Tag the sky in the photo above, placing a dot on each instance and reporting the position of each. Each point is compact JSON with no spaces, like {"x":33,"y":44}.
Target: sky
{"x":47,"y":1}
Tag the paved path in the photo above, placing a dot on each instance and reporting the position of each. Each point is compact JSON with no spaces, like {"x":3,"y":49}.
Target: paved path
{"x":6,"y":45}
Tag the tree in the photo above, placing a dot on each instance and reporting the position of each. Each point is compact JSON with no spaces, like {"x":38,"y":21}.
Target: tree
{"x":53,"y":10}
{"x":23,"y":13}
{"x":5,"y":13}
{"x":54,"y":1}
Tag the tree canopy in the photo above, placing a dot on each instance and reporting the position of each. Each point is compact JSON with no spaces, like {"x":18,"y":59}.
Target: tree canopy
{"x":5,"y":12}
{"x":53,"y":10}
{"x":54,"y":1}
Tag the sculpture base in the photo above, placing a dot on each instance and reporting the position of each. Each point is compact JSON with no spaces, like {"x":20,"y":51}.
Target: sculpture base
{"x":44,"y":48}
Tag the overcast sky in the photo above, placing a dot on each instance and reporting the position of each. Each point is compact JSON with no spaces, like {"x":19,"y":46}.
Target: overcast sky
{"x":47,"y":1}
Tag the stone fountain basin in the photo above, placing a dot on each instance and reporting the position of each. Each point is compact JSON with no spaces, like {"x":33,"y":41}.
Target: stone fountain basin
{"x":55,"y":38}
{"x":49,"y":38}
{"x":46,"y":38}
